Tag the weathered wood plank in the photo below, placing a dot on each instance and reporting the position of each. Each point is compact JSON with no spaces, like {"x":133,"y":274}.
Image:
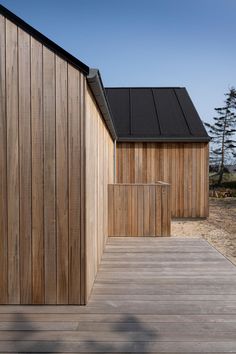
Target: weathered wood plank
{"x":82,"y":187}
{"x":62,"y":179}
{"x":12,"y":105}
{"x":25,"y":167}
{"x":49,"y":113}
{"x":37,"y":132}
{"x":84,"y":320}
{"x":3,"y":168}
{"x":118,"y":347}
{"x":74,"y":120}
{"x":116,"y":333}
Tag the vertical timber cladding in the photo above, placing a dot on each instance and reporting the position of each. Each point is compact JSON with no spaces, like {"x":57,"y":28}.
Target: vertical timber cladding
{"x":183,"y":165}
{"x":41,"y":173}
{"x":139,"y":209}
{"x":99,"y":173}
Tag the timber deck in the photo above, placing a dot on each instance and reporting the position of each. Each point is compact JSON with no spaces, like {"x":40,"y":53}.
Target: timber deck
{"x":151,"y":295}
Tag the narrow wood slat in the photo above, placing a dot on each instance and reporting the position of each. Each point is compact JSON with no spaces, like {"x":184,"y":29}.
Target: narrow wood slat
{"x":49,"y":113}
{"x":3,"y":168}
{"x":134,"y":211}
{"x":189,"y":181}
{"x":12,"y":103}
{"x":152,"y":218}
{"x":101,"y":191}
{"x":91,"y":231}
{"x":198,"y":182}
{"x":110,"y":210}
{"x":82,"y":187}
{"x":186,"y":171}
{"x":146,"y":211}
{"x":203,"y":179}
{"x":168,"y":220}
{"x":74,"y":120}
{"x":62,"y":180}
{"x":140,"y":212}
{"x":182,"y":181}
{"x":25,"y":167}
{"x":38,"y":271}
{"x":129,"y":211}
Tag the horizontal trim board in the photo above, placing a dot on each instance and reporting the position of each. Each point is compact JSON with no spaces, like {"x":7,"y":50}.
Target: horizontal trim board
{"x":163,"y":139}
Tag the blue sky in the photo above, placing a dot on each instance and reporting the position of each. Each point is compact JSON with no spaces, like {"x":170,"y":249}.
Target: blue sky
{"x":146,"y":42}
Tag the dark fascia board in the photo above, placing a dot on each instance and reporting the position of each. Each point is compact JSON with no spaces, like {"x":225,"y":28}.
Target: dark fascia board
{"x":44,"y":40}
{"x":95,"y":83}
{"x":164,"y":139}
{"x":143,"y":87}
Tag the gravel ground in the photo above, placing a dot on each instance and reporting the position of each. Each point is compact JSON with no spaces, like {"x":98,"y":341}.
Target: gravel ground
{"x":219,"y":229}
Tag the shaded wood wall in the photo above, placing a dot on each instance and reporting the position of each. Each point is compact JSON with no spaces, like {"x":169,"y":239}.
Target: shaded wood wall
{"x":99,"y":172}
{"x":42,"y":155}
{"x":139,"y":209}
{"x":183,"y":165}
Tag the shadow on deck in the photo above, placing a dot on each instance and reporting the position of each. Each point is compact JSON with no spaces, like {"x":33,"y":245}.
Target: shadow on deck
{"x":151,"y":295}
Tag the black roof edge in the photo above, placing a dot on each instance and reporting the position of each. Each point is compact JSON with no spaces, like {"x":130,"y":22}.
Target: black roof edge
{"x":95,"y":83}
{"x":144,"y":87}
{"x":164,"y":139}
{"x":46,"y":41}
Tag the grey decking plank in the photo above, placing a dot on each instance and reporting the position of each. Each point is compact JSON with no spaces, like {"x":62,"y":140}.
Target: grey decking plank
{"x":165,"y":297}
{"x":140,"y":334}
{"x":113,"y":318}
{"x":105,"y":328}
{"x":151,"y":295}
{"x":117,"y":347}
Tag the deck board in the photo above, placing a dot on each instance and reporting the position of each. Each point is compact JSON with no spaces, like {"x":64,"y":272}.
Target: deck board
{"x":150,"y":296}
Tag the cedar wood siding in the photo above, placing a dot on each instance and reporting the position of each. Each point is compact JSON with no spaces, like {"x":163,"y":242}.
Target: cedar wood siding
{"x":139,"y":209}
{"x":99,"y":173}
{"x":56,"y":161}
{"x":183,"y":165}
{"x":46,"y":111}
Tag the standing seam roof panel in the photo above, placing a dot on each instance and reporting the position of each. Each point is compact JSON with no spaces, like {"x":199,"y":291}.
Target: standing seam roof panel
{"x":144,"y":120}
{"x":120,"y":110}
{"x":194,"y":122}
{"x":155,"y":114}
{"x":172,"y":121}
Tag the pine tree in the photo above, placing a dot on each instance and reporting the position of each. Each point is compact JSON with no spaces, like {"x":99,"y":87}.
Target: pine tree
{"x":222,"y":132}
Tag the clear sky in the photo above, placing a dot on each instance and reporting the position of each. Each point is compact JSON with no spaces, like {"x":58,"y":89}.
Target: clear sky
{"x":189,"y":43}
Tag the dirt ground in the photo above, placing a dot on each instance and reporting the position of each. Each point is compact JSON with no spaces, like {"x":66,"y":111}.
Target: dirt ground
{"x":219,"y":229}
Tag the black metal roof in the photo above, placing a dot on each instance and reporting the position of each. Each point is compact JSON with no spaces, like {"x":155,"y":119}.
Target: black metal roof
{"x":155,"y":114}
{"x":46,"y":41}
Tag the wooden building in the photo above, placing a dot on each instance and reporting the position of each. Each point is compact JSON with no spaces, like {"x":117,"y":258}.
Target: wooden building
{"x":60,"y":149}
{"x":161,"y":137}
